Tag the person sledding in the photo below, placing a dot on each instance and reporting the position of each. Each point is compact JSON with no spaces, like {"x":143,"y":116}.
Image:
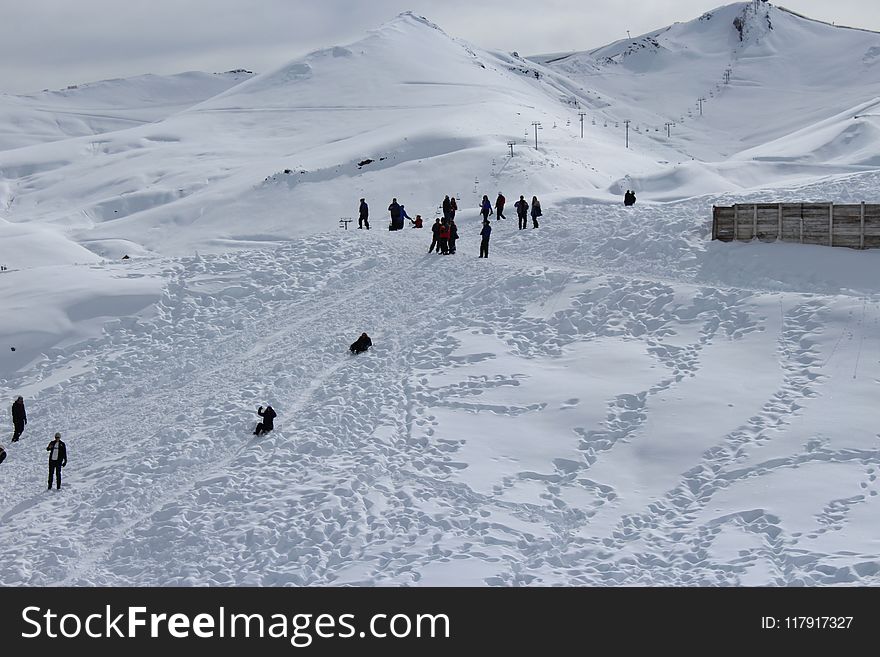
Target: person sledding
{"x":268,"y":414}
{"x":361,"y":344}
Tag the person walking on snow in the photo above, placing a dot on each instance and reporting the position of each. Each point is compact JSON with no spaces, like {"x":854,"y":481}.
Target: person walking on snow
{"x":363,"y":215}
{"x":499,"y":207}
{"x":57,"y":460}
{"x":268,"y":422}
{"x":485,"y":207}
{"x":485,"y":233}
{"x":19,"y":418}
{"x":522,"y":212}
{"x":536,"y":211}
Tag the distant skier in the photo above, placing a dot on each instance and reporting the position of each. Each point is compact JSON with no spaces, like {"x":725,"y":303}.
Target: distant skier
{"x":361,"y":344}
{"x":522,"y":212}
{"x":485,"y":207}
{"x":499,"y":207}
{"x":485,"y":233}
{"x":268,"y":414}
{"x":363,"y":215}
{"x":19,"y":418}
{"x":394,"y":209}
{"x":453,"y":235}
{"x":57,"y":459}
{"x":435,"y":240}
{"x":536,"y":211}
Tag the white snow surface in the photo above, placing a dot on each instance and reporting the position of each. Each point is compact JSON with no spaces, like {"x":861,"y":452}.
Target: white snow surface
{"x":609,"y":399}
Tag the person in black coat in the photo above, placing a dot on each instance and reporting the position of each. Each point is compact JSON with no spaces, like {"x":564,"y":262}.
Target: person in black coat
{"x":522,"y":212}
{"x":268,"y":422}
{"x":453,"y":235}
{"x":19,"y":418}
{"x":435,"y":240}
{"x":361,"y":344}
{"x":363,"y":215}
{"x":57,"y":459}
{"x":396,"y":220}
{"x":2,"y":453}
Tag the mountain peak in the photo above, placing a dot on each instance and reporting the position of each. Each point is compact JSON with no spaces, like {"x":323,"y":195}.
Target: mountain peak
{"x":410,"y":17}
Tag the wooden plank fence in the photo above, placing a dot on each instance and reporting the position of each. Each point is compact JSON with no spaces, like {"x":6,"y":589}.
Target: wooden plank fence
{"x":856,"y":226}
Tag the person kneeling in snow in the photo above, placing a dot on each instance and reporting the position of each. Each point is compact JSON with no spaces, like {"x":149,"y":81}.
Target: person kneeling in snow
{"x":361,"y":344}
{"x":268,"y":422}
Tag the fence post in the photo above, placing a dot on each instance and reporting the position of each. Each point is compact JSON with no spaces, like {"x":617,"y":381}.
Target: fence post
{"x":802,"y":224}
{"x":831,"y":224}
{"x":862,"y":226}
{"x":735,"y":222}
{"x":779,"y":228}
{"x":755,"y":223}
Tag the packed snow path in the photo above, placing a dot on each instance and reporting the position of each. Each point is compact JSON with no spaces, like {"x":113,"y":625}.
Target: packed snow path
{"x":578,"y":409}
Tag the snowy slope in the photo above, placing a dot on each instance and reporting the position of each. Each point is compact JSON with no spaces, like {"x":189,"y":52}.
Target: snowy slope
{"x":790,"y":72}
{"x":99,"y":107}
{"x":432,"y":113}
{"x":609,"y":399}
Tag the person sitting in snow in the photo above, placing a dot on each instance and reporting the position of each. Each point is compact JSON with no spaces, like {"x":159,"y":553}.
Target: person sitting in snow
{"x":417,"y":222}
{"x":268,"y":414}
{"x":361,"y":344}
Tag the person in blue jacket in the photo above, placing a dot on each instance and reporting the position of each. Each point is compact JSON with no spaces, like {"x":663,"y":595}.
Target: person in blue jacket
{"x":403,"y":215}
{"x":486,"y":207}
{"x":485,"y":233}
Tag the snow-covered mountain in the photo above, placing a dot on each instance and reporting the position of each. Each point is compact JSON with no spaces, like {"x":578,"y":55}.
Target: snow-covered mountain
{"x":610,"y":398}
{"x":100,"y":107}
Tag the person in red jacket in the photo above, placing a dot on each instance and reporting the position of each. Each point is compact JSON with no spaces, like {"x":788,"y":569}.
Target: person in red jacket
{"x":499,"y":207}
{"x":443,"y":238}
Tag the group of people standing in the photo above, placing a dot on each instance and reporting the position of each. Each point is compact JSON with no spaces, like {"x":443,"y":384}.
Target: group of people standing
{"x":522,"y":210}
{"x":629,"y":198}
{"x":56,"y":447}
{"x":444,"y":232}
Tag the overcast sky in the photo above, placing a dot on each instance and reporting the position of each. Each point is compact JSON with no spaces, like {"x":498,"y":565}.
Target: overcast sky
{"x":54,"y":43}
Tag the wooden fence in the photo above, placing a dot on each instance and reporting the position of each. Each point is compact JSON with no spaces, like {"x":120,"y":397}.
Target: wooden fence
{"x":855,"y":226}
